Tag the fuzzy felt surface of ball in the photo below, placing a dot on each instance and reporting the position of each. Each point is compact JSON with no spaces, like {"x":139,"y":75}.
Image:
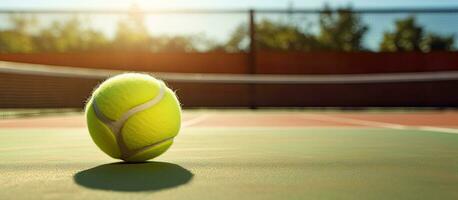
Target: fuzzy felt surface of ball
{"x":133,"y":117}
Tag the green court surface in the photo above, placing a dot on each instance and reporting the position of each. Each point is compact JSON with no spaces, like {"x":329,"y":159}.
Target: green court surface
{"x":236,"y":163}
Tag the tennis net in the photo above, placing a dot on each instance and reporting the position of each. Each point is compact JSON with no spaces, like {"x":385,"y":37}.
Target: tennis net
{"x":43,"y":86}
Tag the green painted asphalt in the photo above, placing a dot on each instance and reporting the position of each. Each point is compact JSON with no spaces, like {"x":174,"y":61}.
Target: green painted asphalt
{"x":236,"y":163}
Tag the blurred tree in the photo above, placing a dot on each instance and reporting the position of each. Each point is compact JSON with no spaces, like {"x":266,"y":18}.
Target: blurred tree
{"x":434,"y":42}
{"x":409,"y":36}
{"x":132,"y":34}
{"x":18,"y":39}
{"x":341,"y":31}
{"x":173,"y":44}
{"x":271,"y":36}
{"x":238,"y":41}
{"x":406,"y":36}
{"x":69,"y":36}
{"x":74,"y":35}
{"x":282,"y":36}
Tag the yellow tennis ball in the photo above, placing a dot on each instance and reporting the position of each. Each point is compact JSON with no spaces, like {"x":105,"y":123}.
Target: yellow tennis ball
{"x":133,"y":117}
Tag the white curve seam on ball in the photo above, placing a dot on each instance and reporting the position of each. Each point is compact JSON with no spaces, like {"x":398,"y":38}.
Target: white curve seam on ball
{"x":116,"y":125}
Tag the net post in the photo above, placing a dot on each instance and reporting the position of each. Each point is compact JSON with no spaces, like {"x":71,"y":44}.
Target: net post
{"x":252,"y":50}
{"x":252,"y":57}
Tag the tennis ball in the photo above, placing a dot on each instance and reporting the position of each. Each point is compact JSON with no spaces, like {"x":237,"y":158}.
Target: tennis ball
{"x":133,"y":117}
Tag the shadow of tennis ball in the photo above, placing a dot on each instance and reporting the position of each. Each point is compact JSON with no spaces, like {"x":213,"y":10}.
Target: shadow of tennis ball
{"x":148,"y":176}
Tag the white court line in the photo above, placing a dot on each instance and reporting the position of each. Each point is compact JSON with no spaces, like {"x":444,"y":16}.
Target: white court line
{"x":438,"y":129}
{"x":358,"y":122}
{"x":195,"y":120}
{"x":381,"y":124}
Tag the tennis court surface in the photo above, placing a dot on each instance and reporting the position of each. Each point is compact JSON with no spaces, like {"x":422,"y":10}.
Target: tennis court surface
{"x":242,"y":154}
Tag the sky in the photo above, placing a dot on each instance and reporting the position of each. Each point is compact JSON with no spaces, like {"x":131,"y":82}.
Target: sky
{"x":212,"y":4}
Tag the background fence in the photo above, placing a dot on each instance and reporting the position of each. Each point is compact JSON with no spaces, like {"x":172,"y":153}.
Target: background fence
{"x":241,"y":42}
